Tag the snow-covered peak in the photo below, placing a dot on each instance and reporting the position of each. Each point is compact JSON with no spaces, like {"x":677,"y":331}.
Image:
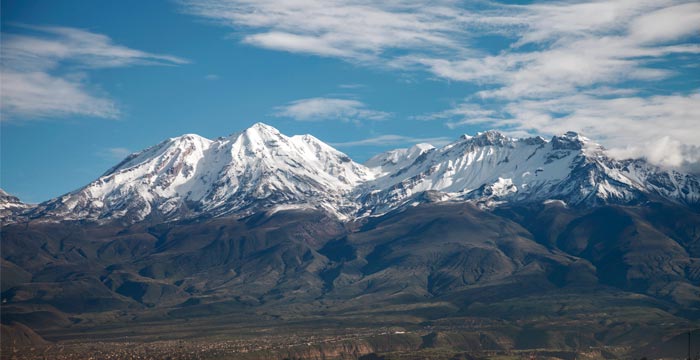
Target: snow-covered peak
{"x":172,"y":150}
{"x":398,"y":156}
{"x":262,"y":169}
{"x":570,"y":141}
{"x":421,"y":147}
{"x":190,"y":175}
{"x":4,"y":195}
{"x":392,"y":161}
{"x":492,"y":168}
{"x":486,"y":138}
{"x":11,"y":206}
{"x":260,"y":134}
{"x":8,"y":199}
{"x":261,"y":127}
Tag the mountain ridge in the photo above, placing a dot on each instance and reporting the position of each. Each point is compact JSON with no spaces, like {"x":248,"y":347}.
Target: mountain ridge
{"x":490,"y":167}
{"x":286,"y":233}
{"x":261,"y":168}
{"x":11,"y":206}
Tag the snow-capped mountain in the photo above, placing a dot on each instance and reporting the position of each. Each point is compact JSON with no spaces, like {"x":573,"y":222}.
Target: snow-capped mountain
{"x":491,"y":168}
{"x":244,"y":172}
{"x":11,"y":206}
{"x":262,"y":169}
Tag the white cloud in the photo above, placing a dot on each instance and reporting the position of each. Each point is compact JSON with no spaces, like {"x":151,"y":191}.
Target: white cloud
{"x":297,"y":43}
{"x":465,"y":111}
{"x":351,"y":86}
{"x":391,"y":139}
{"x":664,"y":129}
{"x":578,"y":64}
{"x":596,"y":66}
{"x":44,"y":72}
{"x":40,"y":95}
{"x":667,"y":24}
{"x":550,"y":48}
{"x":357,"y":30}
{"x":663,"y":151}
{"x":562,"y":48}
{"x":319,"y":109}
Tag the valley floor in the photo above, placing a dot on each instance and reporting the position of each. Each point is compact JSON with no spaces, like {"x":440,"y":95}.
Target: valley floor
{"x":242,"y":337}
{"x":299,"y":343}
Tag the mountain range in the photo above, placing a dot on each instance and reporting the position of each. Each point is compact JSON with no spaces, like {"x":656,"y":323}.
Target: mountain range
{"x":489,"y":243}
{"x":260,"y":168}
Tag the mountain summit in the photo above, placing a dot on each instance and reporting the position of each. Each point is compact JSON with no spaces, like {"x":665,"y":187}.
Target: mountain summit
{"x":262,"y":169}
{"x":485,"y":241}
{"x":11,"y":206}
{"x":490,"y":168}
{"x":191,"y":175}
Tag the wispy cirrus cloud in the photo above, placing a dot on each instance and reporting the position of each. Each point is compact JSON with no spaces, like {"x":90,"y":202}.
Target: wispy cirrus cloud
{"x":355,"y":30}
{"x":616,"y":70}
{"x":660,"y":128}
{"x":37,"y":94}
{"x":393,"y":139}
{"x":351,"y":86}
{"x":472,"y":113}
{"x":45,"y":71}
{"x":546,"y":48}
{"x":321,"y":108}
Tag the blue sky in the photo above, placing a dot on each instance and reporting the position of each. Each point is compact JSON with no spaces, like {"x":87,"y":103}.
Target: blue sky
{"x":84,"y":82}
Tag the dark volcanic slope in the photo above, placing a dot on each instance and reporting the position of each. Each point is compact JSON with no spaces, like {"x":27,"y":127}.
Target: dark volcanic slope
{"x":651,"y":249}
{"x":163,"y":265}
{"x":431,"y":251}
{"x":538,"y":272}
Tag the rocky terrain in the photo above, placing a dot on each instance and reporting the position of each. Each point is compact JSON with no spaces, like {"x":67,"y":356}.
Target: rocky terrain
{"x":260,"y":245}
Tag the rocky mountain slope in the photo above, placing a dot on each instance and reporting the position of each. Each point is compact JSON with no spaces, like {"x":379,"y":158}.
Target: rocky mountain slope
{"x":260,"y":168}
{"x":190,"y":175}
{"x":486,"y":243}
{"x":491,"y":168}
{"x":11,"y":207}
{"x":545,"y":276}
